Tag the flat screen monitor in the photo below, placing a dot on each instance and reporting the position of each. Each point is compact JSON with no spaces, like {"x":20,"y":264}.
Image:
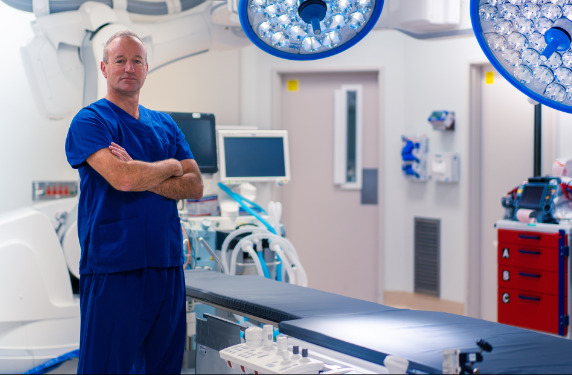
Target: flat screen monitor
{"x":532,"y":196}
{"x":254,"y":156}
{"x":200,"y":133}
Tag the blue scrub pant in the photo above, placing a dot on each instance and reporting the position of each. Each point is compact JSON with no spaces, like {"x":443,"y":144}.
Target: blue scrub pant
{"x":133,"y":322}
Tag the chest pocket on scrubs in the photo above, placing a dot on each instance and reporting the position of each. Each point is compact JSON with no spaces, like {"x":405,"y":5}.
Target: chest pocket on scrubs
{"x":118,"y":244}
{"x":162,"y":150}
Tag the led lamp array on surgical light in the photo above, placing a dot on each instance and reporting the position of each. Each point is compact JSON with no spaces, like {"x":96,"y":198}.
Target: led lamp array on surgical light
{"x":528,"y":42}
{"x":307,"y":29}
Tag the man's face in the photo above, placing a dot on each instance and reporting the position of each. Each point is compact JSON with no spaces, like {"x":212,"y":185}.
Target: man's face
{"x":126,"y":67}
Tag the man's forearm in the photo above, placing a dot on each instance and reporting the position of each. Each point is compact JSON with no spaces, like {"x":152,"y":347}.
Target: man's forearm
{"x":142,"y":176}
{"x":188,"y":186}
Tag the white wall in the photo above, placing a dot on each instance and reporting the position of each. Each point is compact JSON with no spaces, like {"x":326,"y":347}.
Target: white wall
{"x":205,"y":83}
{"x":564,"y":135}
{"x":418,"y":77}
{"x":31,"y":148}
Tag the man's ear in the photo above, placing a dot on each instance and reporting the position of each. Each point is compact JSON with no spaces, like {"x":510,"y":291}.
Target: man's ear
{"x":103,"y":69}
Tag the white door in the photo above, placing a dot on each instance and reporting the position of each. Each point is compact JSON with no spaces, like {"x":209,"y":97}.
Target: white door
{"x":335,"y":234}
{"x":506,"y":160}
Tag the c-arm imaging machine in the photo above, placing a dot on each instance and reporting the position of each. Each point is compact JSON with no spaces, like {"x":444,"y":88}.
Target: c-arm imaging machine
{"x":62,"y":60}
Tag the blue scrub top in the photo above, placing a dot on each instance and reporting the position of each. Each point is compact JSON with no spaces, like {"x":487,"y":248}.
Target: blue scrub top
{"x":121,"y":231}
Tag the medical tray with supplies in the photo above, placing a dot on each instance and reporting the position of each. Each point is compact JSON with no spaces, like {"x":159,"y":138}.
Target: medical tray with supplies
{"x":259,"y":354}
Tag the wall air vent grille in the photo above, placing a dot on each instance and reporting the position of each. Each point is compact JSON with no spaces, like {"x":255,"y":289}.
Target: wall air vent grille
{"x":427,"y":259}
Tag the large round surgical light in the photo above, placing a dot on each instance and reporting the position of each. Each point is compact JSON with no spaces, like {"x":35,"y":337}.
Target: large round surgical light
{"x":528,"y":42}
{"x":307,"y":29}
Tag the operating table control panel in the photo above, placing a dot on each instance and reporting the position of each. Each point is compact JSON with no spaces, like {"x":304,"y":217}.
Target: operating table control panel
{"x":261,"y":355}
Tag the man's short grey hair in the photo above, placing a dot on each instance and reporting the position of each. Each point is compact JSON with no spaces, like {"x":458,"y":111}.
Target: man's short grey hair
{"x":121,"y":34}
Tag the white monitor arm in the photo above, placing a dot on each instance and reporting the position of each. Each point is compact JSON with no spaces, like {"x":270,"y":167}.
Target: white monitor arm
{"x":62,"y":60}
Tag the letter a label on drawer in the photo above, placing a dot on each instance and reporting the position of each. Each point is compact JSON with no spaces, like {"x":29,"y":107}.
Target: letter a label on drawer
{"x":505,"y":253}
{"x":505,"y":298}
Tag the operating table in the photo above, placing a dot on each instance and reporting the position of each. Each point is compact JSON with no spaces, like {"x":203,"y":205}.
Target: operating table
{"x":371,"y":331}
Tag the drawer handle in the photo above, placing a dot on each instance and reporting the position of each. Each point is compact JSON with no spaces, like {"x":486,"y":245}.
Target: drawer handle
{"x":529,"y":298}
{"x":529,"y":252}
{"x":528,"y":237}
{"x":524,"y":274}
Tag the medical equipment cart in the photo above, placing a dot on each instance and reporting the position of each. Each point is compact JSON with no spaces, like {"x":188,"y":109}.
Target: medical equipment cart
{"x":533,"y":276}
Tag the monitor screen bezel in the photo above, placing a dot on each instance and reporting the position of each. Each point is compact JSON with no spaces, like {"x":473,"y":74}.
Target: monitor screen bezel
{"x":185,"y":116}
{"x":222,"y":135}
{"x":527,"y":188}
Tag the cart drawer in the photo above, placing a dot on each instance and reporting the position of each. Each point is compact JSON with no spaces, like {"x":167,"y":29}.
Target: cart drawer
{"x":520,"y":237}
{"x":531,"y":310}
{"x":539,"y":258}
{"x":530,"y":279}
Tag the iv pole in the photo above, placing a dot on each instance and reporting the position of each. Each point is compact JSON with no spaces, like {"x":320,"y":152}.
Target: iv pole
{"x":537,"y":139}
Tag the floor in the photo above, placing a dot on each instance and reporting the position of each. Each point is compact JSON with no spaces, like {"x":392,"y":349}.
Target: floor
{"x":68,"y":367}
{"x":416,"y":301}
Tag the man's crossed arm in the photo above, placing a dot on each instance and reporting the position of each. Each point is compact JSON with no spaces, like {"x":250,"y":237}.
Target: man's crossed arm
{"x":169,"y":178}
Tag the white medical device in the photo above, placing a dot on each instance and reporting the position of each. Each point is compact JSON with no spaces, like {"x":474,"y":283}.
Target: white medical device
{"x":444,"y":166}
{"x":562,"y":167}
{"x":442,"y":120}
{"x":39,"y":314}
{"x":69,"y":39}
{"x":253,"y":156}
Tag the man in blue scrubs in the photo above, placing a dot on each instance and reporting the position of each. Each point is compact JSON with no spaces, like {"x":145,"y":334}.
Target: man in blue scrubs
{"x":134,"y":164}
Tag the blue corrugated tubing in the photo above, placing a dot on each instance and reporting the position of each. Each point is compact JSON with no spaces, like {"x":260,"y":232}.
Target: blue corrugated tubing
{"x":240,"y":200}
{"x":53,"y":363}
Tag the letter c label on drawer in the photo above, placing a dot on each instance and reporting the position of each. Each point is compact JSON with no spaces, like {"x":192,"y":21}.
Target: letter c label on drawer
{"x":505,"y":298}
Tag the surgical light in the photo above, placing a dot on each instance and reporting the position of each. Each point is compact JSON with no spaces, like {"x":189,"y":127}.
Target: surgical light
{"x":307,"y":29}
{"x":528,"y":43}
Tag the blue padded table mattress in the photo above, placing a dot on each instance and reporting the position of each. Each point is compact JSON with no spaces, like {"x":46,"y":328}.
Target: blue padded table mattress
{"x":421,"y":336}
{"x":371,"y":331}
{"x":269,"y":299}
